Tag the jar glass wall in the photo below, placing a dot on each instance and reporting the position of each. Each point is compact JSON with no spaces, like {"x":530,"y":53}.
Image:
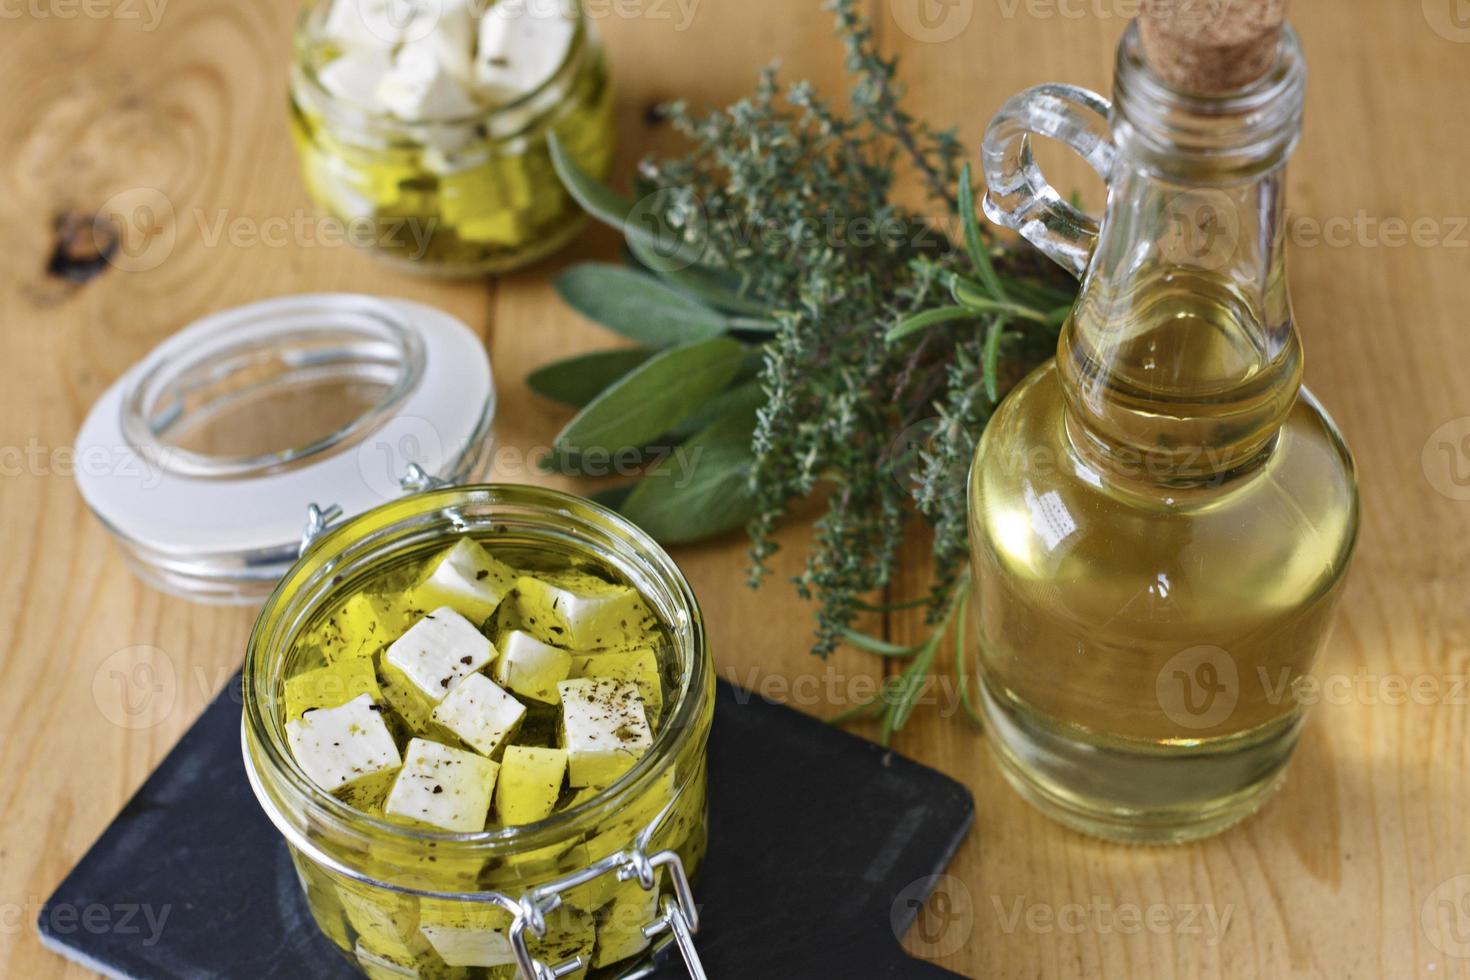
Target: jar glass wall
{"x":453,"y":197}
{"x":401,"y":900}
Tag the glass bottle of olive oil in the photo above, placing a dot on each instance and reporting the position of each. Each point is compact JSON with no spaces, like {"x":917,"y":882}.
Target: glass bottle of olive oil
{"x":1161,"y":517}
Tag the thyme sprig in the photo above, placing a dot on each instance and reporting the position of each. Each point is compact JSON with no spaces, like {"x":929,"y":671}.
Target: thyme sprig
{"x":802,"y":331}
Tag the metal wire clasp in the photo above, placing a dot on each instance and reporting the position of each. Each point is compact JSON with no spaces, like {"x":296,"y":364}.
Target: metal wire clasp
{"x":319,"y":518}
{"x":678,"y":915}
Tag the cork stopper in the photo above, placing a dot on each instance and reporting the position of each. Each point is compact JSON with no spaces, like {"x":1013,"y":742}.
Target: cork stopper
{"x":1210,"y":46}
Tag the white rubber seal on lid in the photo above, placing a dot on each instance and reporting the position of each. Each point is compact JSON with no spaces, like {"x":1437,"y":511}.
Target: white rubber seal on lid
{"x":203,"y":459}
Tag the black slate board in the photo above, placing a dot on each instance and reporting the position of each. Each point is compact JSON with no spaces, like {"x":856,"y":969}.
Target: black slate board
{"x":814,"y":835}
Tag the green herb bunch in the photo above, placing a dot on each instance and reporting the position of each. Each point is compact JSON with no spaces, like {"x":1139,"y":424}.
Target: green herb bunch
{"x":800,"y":332}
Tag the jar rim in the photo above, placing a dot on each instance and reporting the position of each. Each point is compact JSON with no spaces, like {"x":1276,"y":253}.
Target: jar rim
{"x":266,"y":735}
{"x":302,"y":68}
{"x":369,"y":332}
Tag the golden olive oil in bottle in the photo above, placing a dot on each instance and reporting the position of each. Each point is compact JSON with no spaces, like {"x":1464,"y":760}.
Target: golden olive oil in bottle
{"x":1162,"y":516}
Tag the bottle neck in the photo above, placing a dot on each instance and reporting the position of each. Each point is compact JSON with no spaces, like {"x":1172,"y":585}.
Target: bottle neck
{"x":1180,"y":361}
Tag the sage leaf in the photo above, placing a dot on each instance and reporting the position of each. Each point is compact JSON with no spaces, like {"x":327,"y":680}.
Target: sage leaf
{"x":974,"y":243}
{"x":750,"y":324}
{"x":613,"y":497}
{"x":745,"y":397}
{"x":596,"y":198}
{"x":654,"y":397}
{"x":715,"y":287}
{"x":636,"y":220}
{"x":577,"y":380}
{"x":637,"y":305}
{"x":595,"y":462}
{"x":927,"y":319}
{"x":700,"y":490}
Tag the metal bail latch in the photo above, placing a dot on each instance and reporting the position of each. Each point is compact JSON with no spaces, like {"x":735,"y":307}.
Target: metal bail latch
{"x":678,"y":915}
{"x":319,"y":518}
{"x":415,"y":480}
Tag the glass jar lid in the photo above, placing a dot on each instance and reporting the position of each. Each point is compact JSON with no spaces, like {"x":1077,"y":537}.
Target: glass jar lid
{"x":206,"y":459}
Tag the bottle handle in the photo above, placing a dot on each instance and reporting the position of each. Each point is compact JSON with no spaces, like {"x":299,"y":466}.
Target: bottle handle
{"x":1018,"y":195}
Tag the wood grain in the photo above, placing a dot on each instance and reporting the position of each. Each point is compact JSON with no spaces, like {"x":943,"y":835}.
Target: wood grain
{"x":1328,"y":882}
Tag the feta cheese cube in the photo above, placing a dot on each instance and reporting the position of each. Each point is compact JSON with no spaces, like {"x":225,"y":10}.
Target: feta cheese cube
{"x":592,"y":895}
{"x":383,"y":966}
{"x":406,"y":700}
{"x":355,"y":74}
{"x":582,"y":612}
{"x":368,"y":793}
{"x":379,"y":23}
{"x":480,"y":713}
{"x":604,"y":729}
{"x":365,"y":624}
{"x":471,"y":947}
{"x":467,"y":933}
{"x":443,"y":787}
{"x":385,"y":921}
{"x":569,"y":933}
{"x":330,"y":686}
{"x":452,"y":41}
{"x":340,"y":196}
{"x":637,"y":666}
{"x":439,"y":651}
{"x":341,"y":745}
{"x":419,"y":88}
{"x":620,"y":931}
{"x":469,"y":580}
{"x":530,"y":783}
{"x":530,"y":667}
{"x":521,"y":45}
{"x":631,"y":820}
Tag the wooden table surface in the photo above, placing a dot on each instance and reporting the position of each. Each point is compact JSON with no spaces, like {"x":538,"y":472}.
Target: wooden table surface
{"x":1359,"y":869}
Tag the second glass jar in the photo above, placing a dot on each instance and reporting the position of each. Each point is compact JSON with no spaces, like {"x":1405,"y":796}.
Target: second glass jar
{"x":457,"y":197}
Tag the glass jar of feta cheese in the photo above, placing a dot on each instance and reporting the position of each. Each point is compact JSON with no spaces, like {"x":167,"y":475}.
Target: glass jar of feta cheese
{"x":589,"y":891}
{"x":423,"y":125}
